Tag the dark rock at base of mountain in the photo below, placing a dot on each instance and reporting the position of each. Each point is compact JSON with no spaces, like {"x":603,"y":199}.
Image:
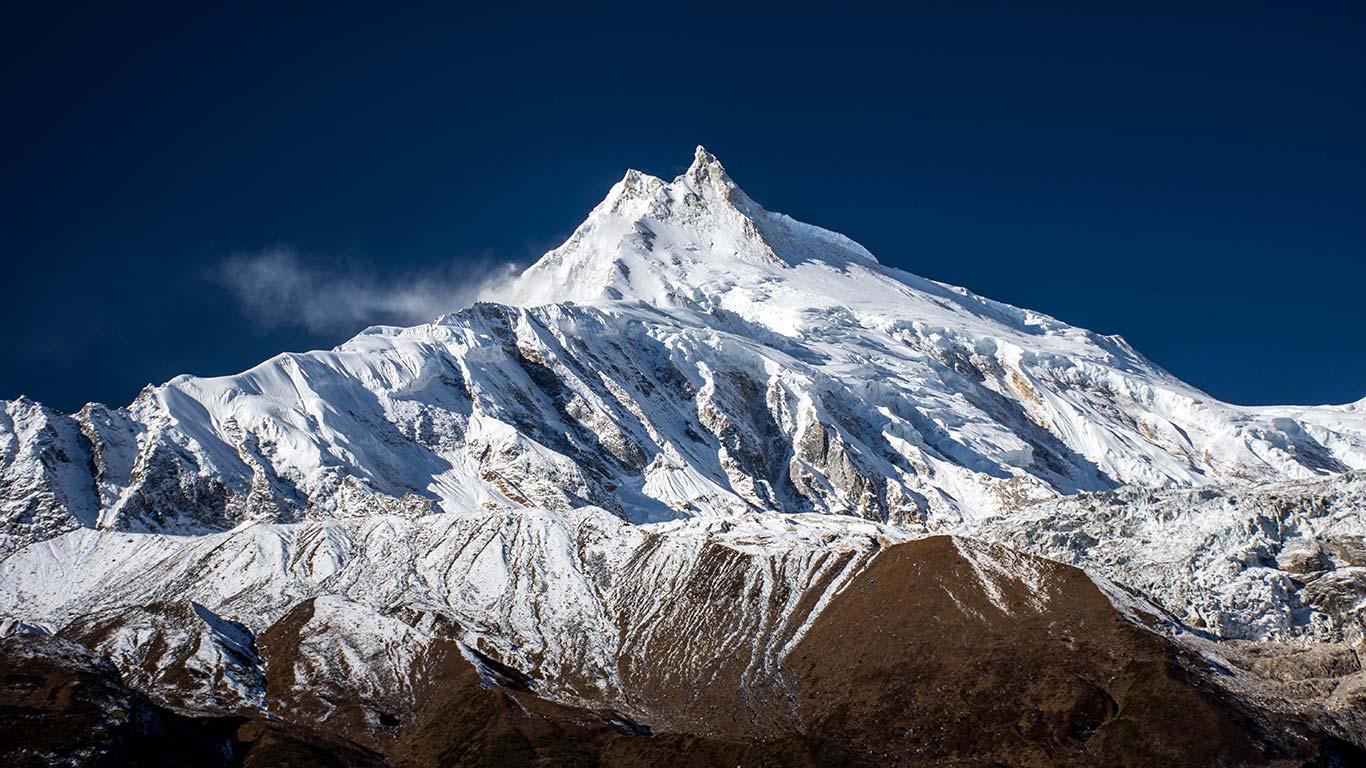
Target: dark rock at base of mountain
{"x":61,"y":704}
{"x":1027,"y":665}
{"x":942,"y":652}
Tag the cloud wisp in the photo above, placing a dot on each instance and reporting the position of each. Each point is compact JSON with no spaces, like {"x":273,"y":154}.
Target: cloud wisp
{"x":276,"y":288}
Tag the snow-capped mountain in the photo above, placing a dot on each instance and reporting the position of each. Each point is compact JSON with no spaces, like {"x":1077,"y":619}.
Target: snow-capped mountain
{"x":639,"y":476}
{"x":685,"y":353}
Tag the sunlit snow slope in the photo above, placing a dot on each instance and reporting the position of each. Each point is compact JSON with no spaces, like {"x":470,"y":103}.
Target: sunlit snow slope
{"x":684,"y":353}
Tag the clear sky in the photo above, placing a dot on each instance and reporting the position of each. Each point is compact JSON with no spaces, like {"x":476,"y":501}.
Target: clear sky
{"x":1195,"y":181}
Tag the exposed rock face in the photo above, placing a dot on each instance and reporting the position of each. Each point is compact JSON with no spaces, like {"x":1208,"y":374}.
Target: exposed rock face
{"x":1304,"y":689}
{"x":46,"y":487}
{"x":61,"y":704}
{"x":200,"y":660}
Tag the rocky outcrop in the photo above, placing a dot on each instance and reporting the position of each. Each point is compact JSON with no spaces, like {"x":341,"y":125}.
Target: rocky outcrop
{"x":62,"y":704}
{"x":181,"y":652}
{"x":46,"y":484}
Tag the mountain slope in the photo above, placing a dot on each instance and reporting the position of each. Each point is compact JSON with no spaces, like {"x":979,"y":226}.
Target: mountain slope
{"x":937,"y":651}
{"x":1280,"y":561}
{"x":681,"y":479}
{"x":684,"y":353}
{"x":63,"y":705}
{"x":584,"y":599}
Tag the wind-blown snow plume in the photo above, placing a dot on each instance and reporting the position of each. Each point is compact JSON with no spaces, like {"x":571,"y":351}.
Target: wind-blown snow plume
{"x":275,"y":287}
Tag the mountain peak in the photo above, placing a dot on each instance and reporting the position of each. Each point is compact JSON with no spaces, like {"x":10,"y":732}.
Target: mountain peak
{"x":706,"y":176}
{"x":689,"y":241}
{"x":703,"y":162}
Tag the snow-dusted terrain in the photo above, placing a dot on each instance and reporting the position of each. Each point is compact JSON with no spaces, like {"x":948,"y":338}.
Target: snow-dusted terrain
{"x":579,"y":597}
{"x":1279,"y":561}
{"x":692,"y":397}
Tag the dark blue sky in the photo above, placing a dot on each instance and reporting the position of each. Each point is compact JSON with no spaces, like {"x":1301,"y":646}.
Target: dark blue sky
{"x":1193,"y":181}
